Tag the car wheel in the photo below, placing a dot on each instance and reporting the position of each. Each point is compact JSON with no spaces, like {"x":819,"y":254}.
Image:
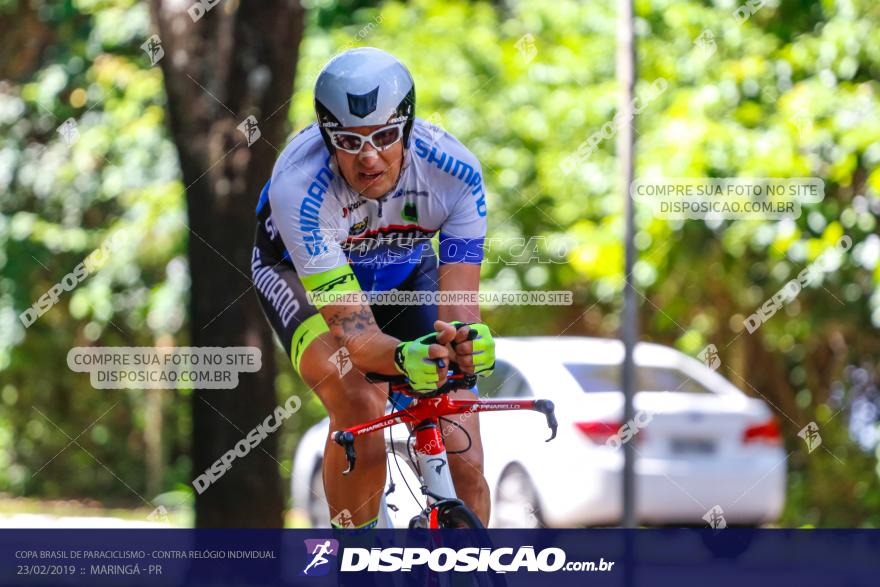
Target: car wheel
{"x":317,"y":509}
{"x":516,"y":501}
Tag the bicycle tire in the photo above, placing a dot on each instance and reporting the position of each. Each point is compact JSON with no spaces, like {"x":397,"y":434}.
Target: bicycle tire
{"x":459,"y":516}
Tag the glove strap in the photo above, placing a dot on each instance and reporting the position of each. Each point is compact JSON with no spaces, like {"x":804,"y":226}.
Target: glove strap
{"x":398,"y":358}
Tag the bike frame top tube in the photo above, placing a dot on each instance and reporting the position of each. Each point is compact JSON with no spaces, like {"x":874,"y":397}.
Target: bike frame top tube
{"x":430,"y":448}
{"x":433,"y":408}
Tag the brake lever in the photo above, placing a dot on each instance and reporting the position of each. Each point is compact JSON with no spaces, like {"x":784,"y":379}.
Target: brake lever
{"x":346,"y":441}
{"x":546,"y":407}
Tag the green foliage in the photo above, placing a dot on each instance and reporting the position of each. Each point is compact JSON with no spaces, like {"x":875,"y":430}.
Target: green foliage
{"x":790,"y":91}
{"x":114,"y":172}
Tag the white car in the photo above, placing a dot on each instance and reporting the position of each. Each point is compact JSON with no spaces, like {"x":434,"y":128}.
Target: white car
{"x":705,"y":450}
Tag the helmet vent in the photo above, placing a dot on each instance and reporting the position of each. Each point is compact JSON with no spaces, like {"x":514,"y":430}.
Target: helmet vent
{"x":364,"y":104}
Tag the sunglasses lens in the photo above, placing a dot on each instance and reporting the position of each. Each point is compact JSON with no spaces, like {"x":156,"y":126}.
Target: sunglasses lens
{"x":347,"y":142}
{"x":387,"y":136}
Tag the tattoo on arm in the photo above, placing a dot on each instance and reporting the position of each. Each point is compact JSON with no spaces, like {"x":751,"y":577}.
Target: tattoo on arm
{"x":353,"y":323}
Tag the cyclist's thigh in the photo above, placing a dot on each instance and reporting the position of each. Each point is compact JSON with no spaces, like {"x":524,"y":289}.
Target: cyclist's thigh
{"x":313,"y":351}
{"x":341,"y":387}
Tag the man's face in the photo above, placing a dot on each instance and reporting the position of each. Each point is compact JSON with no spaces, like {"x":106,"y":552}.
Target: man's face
{"x":371,"y":173}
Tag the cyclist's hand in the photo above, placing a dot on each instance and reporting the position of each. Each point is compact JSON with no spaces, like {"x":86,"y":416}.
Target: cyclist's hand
{"x":418,"y":360}
{"x":454,"y":335}
{"x":476,"y":356}
{"x":460,"y":348}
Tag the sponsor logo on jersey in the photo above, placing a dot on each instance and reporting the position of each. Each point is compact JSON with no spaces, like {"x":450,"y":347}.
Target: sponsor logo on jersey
{"x":310,"y":207}
{"x":270,"y":228}
{"x":456,"y":168}
{"x":388,"y":236}
{"x":351,"y":208}
{"x":418,"y":193}
{"x":298,"y":348}
{"x":410,"y":212}
{"x":274,"y":289}
{"x":358,"y":227}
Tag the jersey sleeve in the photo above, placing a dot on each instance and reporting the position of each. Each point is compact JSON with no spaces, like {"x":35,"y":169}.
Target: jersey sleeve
{"x":308,"y":218}
{"x":464,"y":230}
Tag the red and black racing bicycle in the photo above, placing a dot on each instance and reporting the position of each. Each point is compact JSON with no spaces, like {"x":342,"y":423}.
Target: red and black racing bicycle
{"x":443,"y":509}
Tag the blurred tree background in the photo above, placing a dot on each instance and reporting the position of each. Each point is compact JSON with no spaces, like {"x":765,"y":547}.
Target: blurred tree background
{"x":786,"y":88}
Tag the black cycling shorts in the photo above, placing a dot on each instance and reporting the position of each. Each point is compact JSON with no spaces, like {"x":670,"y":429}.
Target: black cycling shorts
{"x":297,"y":323}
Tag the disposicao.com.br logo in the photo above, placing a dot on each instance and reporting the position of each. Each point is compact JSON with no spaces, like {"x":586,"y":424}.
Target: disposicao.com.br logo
{"x":469,"y":559}
{"x":321,"y":551}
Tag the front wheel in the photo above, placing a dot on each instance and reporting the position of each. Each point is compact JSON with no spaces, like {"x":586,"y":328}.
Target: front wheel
{"x":458,"y":516}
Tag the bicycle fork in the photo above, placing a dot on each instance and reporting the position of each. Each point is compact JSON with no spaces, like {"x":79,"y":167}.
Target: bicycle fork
{"x":433,"y":462}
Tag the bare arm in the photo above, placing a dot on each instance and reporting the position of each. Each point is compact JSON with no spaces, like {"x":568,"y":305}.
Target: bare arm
{"x":460,"y":277}
{"x":352,"y":324}
{"x":350,"y":320}
{"x":354,"y":327}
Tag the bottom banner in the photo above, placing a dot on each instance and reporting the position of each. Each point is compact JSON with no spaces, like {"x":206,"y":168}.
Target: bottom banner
{"x":656,"y":557}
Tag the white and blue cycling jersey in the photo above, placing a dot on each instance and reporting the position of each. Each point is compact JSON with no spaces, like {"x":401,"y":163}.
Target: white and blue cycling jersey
{"x":311,"y":220}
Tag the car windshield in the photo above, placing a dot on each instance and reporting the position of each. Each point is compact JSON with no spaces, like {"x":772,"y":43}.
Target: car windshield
{"x":593,"y":377}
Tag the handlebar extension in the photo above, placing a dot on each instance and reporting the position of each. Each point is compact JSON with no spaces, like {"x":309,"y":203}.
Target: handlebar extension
{"x":346,"y":441}
{"x":546,"y":407}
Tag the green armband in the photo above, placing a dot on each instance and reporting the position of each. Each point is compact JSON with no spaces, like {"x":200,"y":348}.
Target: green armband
{"x":324,"y":288}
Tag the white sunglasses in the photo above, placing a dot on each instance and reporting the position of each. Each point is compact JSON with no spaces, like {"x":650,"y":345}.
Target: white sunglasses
{"x":381,"y":139}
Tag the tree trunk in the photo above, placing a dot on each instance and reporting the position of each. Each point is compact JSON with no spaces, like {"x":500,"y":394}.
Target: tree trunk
{"x":153,"y":439}
{"x":25,"y":37}
{"x":236,"y":61}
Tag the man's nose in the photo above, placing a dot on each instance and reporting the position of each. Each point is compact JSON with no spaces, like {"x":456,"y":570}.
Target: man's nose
{"x":368,"y":155}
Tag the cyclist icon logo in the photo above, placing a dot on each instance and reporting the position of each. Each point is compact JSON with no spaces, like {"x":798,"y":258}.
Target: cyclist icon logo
{"x":810,"y":434}
{"x":153,"y":48}
{"x":342,"y":360}
{"x":710,"y":357}
{"x":320,"y":549}
{"x":715,"y":518}
{"x":250,"y":130}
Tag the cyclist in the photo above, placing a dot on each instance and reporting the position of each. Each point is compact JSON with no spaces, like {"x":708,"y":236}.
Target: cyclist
{"x":351,"y":206}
